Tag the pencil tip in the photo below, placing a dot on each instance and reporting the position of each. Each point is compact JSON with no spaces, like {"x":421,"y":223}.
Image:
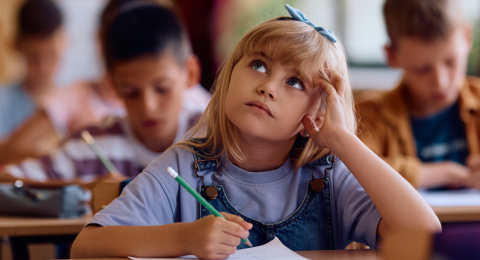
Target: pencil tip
{"x":248,"y":243}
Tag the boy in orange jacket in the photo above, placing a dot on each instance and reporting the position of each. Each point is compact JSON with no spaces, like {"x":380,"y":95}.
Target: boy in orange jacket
{"x":428,"y":127}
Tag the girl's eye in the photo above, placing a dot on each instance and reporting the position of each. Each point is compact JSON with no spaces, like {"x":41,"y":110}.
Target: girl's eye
{"x":295,"y":83}
{"x":258,"y":66}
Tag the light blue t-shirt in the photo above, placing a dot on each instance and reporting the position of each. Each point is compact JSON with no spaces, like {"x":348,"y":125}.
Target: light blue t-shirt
{"x":441,"y":137}
{"x":15,"y":107}
{"x":154,"y":198}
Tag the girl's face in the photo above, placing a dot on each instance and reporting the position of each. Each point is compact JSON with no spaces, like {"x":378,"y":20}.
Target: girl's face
{"x":267,"y":100}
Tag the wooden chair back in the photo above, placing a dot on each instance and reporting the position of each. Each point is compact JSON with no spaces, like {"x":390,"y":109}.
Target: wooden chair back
{"x":103,"y":194}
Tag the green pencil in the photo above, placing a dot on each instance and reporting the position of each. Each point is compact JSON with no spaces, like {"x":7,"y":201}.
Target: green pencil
{"x":96,"y":150}
{"x":200,"y":199}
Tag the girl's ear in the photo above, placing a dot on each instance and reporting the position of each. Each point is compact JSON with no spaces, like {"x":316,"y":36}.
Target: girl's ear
{"x":194,"y":70}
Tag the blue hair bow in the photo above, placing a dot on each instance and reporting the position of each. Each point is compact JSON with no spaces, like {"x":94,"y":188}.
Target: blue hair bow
{"x":299,"y":16}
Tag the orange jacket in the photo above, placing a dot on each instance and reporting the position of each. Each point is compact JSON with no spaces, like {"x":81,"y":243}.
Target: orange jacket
{"x":385,"y":127}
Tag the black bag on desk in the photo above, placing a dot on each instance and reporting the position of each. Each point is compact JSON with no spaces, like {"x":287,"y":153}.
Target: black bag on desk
{"x":62,"y":202}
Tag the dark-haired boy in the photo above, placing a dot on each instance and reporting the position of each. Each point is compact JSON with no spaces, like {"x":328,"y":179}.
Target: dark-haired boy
{"x":150,"y":64}
{"x":427,"y":128}
{"x":40,"y":40}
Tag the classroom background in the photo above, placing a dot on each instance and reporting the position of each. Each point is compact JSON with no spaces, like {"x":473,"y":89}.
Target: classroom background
{"x":216,"y":26}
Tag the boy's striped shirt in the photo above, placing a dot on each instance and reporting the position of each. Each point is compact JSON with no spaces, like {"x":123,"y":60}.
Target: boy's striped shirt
{"x":117,"y":141}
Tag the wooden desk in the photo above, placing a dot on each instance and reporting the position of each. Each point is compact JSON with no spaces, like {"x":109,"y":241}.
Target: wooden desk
{"x":457,"y":214}
{"x":341,"y":254}
{"x":320,"y":255}
{"x":26,"y":230}
{"x":26,"y":226}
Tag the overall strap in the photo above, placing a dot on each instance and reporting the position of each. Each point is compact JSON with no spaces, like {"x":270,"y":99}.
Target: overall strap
{"x":327,"y":159}
{"x":201,"y":162}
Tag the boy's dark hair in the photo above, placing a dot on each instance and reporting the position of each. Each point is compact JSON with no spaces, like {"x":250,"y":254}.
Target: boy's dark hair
{"x":134,"y":29}
{"x":39,"y":19}
{"x":423,"y":19}
{"x":108,"y":12}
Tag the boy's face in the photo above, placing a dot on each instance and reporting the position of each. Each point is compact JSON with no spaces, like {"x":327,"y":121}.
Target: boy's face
{"x":434,"y":71}
{"x":42,"y":56}
{"x":260,"y":83}
{"x":152,"y":88}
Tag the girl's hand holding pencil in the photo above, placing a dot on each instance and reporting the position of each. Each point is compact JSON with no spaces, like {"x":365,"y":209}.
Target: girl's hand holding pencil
{"x":215,"y":238}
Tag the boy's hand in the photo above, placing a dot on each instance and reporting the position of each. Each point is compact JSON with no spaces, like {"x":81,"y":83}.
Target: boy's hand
{"x":214,"y":237}
{"x":333,"y":122}
{"x":473,"y":163}
{"x":443,"y":173}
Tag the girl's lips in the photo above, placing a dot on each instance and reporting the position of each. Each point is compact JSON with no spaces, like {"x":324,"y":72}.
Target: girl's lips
{"x":260,"y":105}
{"x":150,"y":123}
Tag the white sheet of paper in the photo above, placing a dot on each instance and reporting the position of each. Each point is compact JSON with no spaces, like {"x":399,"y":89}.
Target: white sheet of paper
{"x":452,"y":198}
{"x":273,"y":250}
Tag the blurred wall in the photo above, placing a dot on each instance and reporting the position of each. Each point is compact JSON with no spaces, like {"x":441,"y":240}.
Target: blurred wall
{"x":216,"y":26}
{"x":9,"y":61}
{"x":81,"y":60}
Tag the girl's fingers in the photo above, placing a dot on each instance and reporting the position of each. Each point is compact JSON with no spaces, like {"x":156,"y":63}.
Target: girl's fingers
{"x":331,"y":91}
{"x":231,"y":240}
{"x":227,"y":250}
{"x":238,"y":220}
{"x":222,"y":256}
{"x":329,"y":88}
{"x":340,"y":85}
{"x":309,"y":125}
{"x":325,"y":84}
{"x":235,"y":229}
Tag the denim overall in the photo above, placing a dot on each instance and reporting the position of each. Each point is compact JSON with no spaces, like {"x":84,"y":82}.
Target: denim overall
{"x":309,"y":227}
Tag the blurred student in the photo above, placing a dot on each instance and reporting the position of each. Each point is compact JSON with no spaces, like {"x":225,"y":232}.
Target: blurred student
{"x":41,"y":41}
{"x":79,"y":106}
{"x":87,"y":103}
{"x":428,"y":127}
{"x":150,"y":64}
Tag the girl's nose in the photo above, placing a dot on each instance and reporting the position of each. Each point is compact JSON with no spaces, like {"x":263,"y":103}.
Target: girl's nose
{"x":267,"y":89}
{"x":262,"y":92}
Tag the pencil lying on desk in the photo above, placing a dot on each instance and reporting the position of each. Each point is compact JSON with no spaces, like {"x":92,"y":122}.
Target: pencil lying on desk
{"x":96,"y":150}
{"x":200,"y":199}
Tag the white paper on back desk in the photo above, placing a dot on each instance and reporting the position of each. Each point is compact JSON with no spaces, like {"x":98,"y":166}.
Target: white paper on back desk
{"x":273,"y":250}
{"x":452,"y":198}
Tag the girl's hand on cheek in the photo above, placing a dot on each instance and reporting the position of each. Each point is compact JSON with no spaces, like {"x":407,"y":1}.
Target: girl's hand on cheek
{"x":333,"y":122}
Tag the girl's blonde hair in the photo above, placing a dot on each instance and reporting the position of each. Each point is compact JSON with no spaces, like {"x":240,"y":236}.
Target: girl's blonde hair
{"x":289,"y":42}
